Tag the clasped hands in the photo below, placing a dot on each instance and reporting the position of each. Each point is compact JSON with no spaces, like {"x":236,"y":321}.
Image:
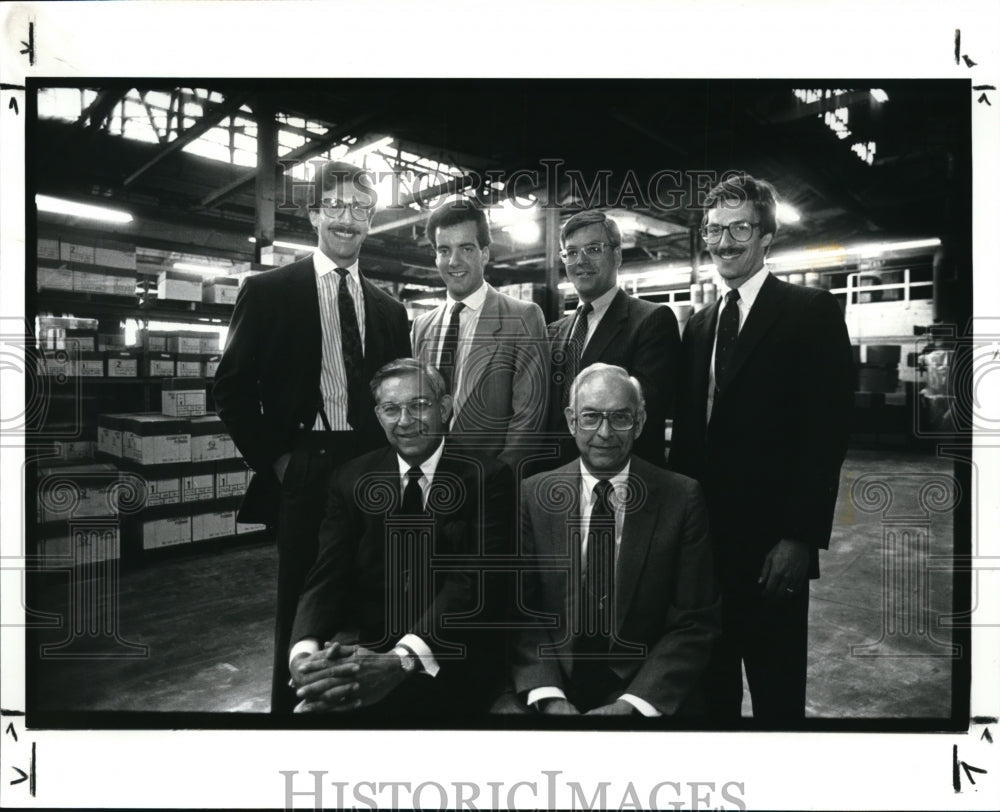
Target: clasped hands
{"x":563,"y":707}
{"x":342,"y":677}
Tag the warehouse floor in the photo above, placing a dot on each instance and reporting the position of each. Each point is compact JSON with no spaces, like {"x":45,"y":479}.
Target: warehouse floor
{"x":875,"y":647}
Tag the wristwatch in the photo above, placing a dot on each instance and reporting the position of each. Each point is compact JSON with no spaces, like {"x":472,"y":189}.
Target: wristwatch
{"x":407,"y":659}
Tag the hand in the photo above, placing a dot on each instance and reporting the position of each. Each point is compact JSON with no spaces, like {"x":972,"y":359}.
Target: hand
{"x":617,"y":708}
{"x":329,"y":671}
{"x":785,"y":570}
{"x":281,"y":465}
{"x":559,"y":707}
{"x":372,"y":678}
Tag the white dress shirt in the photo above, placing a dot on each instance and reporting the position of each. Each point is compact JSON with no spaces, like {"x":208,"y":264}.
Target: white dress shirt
{"x":748,"y":295}
{"x":333,"y":376}
{"x":468,"y":320}
{"x":600,"y":305}
{"x":619,"y":483}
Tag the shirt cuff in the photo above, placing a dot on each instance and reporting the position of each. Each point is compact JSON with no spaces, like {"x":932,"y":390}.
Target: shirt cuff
{"x":424,"y":654}
{"x":307,"y":645}
{"x":545,"y":692}
{"x":641,"y":705}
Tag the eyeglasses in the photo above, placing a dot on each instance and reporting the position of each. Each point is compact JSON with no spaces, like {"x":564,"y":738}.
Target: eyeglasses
{"x":571,"y":256}
{"x":740,"y":231}
{"x":333,"y":207}
{"x":418,"y":407}
{"x":619,"y":421}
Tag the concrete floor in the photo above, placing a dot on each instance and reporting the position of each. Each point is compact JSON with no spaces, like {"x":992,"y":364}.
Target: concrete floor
{"x":875,"y":651}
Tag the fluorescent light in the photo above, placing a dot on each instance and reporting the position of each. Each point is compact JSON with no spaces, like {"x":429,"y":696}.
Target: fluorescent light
{"x":374,"y":146}
{"x":879,"y":95}
{"x":525,"y":233}
{"x":190,"y":266}
{"x":57,"y":205}
{"x":787,"y":214}
{"x":294,"y":246}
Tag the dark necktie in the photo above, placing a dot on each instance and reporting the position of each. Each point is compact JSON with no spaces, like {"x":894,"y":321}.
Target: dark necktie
{"x":413,"y":497}
{"x":725,"y":342}
{"x":574,"y":348}
{"x":353,"y":352}
{"x":599,"y":577}
{"x":449,"y":347}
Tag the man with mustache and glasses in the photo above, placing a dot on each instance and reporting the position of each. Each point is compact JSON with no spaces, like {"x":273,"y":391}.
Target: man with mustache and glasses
{"x":392,"y":621}
{"x":612,"y":327}
{"x":763,"y":422}
{"x":292,"y":385}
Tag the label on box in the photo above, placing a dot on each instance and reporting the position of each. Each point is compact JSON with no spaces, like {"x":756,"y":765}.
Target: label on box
{"x":76,"y":493}
{"x":163,"y":491}
{"x":230,"y":483}
{"x":48,"y":249}
{"x":209,"y":447}
{"x":243,"y":527}
{"x":109,"y":440}
{"x":213,"y":525}
{"x":62,"y":364}
{"x":72,"y":252}
{"x":90,"y":367}
{"x":74,"y":449}
{"x":197,"y":488}
{"x":123,"y":367}
{"x":161,"y":367}
{"x":156,"y":449}
{"x":183,"y":402}
{"x":188,"y":369}
{"x":165,"y":532}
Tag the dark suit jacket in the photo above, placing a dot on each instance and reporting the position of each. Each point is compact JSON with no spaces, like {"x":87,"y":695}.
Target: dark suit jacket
{"x":267,"y":384}
{"x":500,"y":407}
{"x":348,"y":592}
{"x":666,"y":599}
{"x":642,"y":337}
{"x":770,"y":458}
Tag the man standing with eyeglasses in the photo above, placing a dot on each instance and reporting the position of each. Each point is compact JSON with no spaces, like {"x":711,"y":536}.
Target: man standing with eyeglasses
{"x":763,"y":423}
{"x":612,"y":327}
{"x":391,"y":622}
{"x":292,"y":385}
{"x":635,"y":603}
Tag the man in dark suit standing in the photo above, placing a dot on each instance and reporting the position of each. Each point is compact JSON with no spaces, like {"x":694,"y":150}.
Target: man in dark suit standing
{"x":292,"y":385}
{"x":612,"y":327}
{"x":391,"y":620}
{"x":763,"y":423}
{"x":623,"y":559}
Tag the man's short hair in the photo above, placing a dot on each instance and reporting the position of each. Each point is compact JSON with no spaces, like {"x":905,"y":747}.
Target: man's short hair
{"x":331,"y":174}
{"x":402,"y":367}
{"x":614,"y":371}
{"x":588,"y":218}
{"x":456,"y":213}
{"x":740,"y":188}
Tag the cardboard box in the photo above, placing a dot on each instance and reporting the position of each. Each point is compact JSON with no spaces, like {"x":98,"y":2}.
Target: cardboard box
{"x":54,"y":278}
{"x":47,"y":249}
{"x":113,"y":254}
{"x":179,"y":285}
{"x":189,"y":365}
{"x":217,"y":524}
{"x":231,"y":483}
{"x":58,"y":363}
{"x":221,"y":290}
{"x":88,"y":545}
{"x":210,"y":343}
{"x":111,"y":341}
{"x":152,"y":340}
{"x":209,"y":366}
{"x":156,"y":533}
{"x":74,"y":449}
{"x":90,"y":365}
{"x":76,"y":491}
{"x":163,"y":491}
{"x":152,"y":439}
{"x":242,"y":527}
{"x":74,"y":252}
{"x":189,"y":342}
{"x":157,"y":365}
{"x":209,"y":439}
{"x":79,"y":340}
{"x":121,"y":364}
{"x":198,"y":488}
{"x":109,"y":433}
{"x":179,"y":399}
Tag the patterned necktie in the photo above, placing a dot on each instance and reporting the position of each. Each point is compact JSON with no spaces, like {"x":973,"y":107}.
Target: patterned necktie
{"x":413,"y":497}
{"x":449,"y":348}
{"x":574,"y":348}
{"x":599,"y":576}
{"x":353,"y":352}
{"x":725,"y":342}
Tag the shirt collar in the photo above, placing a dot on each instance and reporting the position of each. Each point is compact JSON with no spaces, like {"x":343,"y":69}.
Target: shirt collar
{"x":603,"y":302}
{"x":473,"y":301}
{"x":325,"y":265}
{"x":749,"y":289}
{"x":428,"y":467}
{"x":590,"y":481}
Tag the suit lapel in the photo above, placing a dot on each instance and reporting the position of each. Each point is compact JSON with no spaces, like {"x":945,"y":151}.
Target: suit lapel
{"x":637,"y":534}
{"x":611,"y":324}
{"x":305,"y":310}
{"x":765,"y":310}
{"x":375,"y":318}
{"x":484,"y":344}
{"x":702,"y":340}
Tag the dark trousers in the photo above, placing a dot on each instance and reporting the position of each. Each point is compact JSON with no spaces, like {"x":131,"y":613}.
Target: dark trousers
{"x":770,"y":639}
{"x":300,"y":513}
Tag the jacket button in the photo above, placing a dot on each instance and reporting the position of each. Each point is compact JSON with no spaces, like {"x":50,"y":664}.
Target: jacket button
{"x":322,"y":451}
{"x":302,"y":425}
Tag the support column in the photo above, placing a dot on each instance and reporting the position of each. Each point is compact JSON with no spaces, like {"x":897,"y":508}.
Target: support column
{"x":267,"y":178}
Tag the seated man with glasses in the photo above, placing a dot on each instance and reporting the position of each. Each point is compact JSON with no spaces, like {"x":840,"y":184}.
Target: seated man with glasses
{"x":394,"y":618}
{"x":612,"y":327}
{"x":622,"y":561}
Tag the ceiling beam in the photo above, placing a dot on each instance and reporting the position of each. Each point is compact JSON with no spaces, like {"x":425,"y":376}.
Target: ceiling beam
{"x":99,"y":110}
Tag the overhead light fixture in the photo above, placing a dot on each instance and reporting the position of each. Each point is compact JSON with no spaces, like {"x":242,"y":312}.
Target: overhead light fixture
{"x":57,"y":205}
{"x":787,"y":214}
{"x":879,"y":95}
{"x":526,"y":233}
{"x":294,"y":246}
{"x":190,"y":266}
{"x":360,"y":152}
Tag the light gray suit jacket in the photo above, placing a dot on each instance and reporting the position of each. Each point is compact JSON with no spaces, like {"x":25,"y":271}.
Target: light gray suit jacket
{"x":501,"y":403}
